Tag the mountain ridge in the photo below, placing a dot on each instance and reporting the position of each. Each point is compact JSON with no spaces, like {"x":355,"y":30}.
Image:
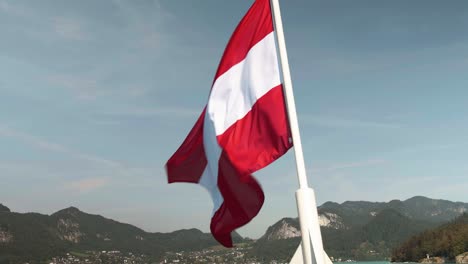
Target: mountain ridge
{"x":3,"y":208}
{"x":353,"y":229}
{"x":31,"y":236}
{"x":361,"y":229}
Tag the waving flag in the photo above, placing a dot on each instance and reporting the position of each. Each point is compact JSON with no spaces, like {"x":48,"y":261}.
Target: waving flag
{"x":242,"y":129}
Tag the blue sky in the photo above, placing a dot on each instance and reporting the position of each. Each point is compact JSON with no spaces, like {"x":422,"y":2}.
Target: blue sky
{"x":96,"y":95}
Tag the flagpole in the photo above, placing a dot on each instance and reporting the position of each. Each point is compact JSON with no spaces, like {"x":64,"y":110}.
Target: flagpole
{"x":307,"y":209}
{"x":289,"y":95}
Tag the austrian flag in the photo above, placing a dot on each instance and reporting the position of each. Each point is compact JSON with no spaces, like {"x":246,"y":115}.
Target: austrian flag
{"x":243,"y":128}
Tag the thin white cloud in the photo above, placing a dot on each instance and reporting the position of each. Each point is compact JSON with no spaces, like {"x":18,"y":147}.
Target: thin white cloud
{"x":430,"y":147}
{"x":8,"y":132}
{"x":87,"y":171}
{"x":12,"y":9}
{"x":68,"y":28}
{"x":85,"y":88}
{"x":169,"y":112}
{"x":349,"y":165}
{"x":345,"y":123}
{"x":149,"y":33}
{"x":151,"y":39}
{"x":80,"y":175}
{"x":54,"y":147}
{"x":90,"y":87}
{"x":347,"y":63}
{"x":136,"y":91}
{"x":4,"y":6}
{"x":86,"y":185}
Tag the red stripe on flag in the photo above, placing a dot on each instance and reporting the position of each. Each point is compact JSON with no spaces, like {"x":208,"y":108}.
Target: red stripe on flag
{"x":255,"y":25}
{"x":189,"y":161}
{"x":261,"y":136}
{"x":250,"y":144}
{"x":242,"y":202}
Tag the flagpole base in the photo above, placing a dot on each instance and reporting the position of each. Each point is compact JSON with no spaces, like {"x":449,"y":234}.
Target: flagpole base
{"x":312,"y":245}
{"x":298,"y":258}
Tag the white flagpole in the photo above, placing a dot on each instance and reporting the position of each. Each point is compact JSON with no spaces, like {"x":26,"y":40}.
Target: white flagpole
{"x":312,"y":248}
{"x":290,"y":104}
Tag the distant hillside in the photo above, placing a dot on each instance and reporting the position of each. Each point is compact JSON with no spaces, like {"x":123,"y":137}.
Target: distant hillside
{"x":4,"y":208}
{"x":447,"y":241}
{"x":351,"y":230}
{"x":33,"y":237}
{"x":361,"y":230}
{"x":354,"y":213}
{"x":279,"y":241}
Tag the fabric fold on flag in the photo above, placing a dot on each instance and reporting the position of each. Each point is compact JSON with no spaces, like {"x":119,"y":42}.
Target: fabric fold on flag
{"x":242,"y":129}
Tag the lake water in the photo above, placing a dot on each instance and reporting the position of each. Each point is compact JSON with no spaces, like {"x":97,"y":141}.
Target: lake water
{"x":365,"y":262}
{"x":378,"y":262}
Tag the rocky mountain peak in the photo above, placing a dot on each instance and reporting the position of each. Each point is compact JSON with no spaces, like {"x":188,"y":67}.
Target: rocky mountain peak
{"x":289,"y":227}
{"x":70,"y":211}
{"x":285,"y":228}
{"x":331,"y":220}
{"x":69,"y":230}
{"x":4,"y":208}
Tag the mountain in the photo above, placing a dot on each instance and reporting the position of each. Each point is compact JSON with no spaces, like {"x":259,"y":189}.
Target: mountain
{"x":279,"y":242}
{"x":34,"y":237}
{"x":27,"y":236}
{"x":446,"y":241}
{"x":357,"y":213}
{"x":359,"y":229}
{"x":4,"y":208}
{"x":352,"y":230}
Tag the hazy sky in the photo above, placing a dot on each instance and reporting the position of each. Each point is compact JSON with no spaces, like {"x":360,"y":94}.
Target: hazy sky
{"x":95,"y":96}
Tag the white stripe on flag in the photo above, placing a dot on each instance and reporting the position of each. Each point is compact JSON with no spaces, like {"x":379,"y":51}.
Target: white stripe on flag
{"x":209,"y":181}
{"x":236,"y":91}
{"x":232,"y":97}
